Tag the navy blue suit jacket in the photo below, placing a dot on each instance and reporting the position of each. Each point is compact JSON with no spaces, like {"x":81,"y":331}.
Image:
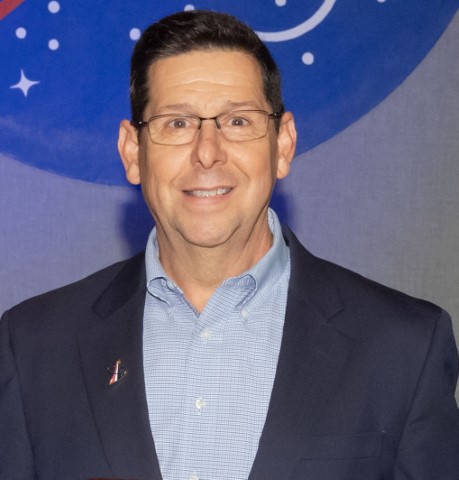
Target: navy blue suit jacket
{"x":364,"y":387}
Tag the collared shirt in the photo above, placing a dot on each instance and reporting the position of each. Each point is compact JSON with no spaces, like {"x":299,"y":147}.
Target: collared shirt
{"x":209,"y":376}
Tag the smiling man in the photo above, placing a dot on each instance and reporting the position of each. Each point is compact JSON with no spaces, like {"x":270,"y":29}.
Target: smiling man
{"x":226,"y":350}
{"x":207,"y":162}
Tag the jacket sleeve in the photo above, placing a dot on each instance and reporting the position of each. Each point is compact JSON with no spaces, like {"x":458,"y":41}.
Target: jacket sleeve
{"x":16,"y":457}
{"x":429,"y":447}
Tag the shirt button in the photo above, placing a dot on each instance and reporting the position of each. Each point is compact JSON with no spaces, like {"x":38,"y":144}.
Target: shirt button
{"x":245,"y":314}
{"x":206,"y":334}
{"x":193,"y":477}
{"x":170,"y":285}
{"x":200,"y":404}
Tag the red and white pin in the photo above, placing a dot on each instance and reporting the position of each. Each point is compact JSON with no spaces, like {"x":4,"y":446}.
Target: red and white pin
{"x":118,"y":372}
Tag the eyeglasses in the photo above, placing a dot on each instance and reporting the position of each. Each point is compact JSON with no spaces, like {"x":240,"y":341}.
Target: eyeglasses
{"x":236,"y":126}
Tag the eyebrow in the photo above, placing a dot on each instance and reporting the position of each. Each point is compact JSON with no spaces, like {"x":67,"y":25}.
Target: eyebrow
{"x":186,"y":107}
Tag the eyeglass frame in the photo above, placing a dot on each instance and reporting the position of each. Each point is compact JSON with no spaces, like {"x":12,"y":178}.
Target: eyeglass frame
{"x":144,"y":123}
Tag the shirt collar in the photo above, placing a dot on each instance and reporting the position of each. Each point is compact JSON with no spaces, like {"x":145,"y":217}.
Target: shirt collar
{"x":268,"y":269}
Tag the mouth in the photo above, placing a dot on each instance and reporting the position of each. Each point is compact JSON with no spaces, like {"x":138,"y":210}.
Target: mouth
{"x":209,"y":193}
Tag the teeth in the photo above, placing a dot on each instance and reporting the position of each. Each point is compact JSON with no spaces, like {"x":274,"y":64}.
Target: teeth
{"x":209,"y":193}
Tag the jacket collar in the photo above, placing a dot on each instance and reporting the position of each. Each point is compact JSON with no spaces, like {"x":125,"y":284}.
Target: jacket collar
{"x":120,"y":410}
{"x":311,"y":359}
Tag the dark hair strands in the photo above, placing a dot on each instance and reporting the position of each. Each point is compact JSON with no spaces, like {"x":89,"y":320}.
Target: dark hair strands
{"x":196,"y":30}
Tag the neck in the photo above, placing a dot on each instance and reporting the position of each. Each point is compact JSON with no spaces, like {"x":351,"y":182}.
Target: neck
{"x":199,"y":271}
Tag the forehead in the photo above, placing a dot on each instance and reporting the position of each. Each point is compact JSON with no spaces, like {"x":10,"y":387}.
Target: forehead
{"x":207,"y":79}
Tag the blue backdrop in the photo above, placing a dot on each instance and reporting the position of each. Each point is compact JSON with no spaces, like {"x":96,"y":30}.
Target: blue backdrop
{"x":64,"y":81}
{"x":379,"y":196}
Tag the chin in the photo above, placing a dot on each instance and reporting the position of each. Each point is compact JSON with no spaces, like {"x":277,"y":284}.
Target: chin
{"x":207,"y":241}
{"x":207,"y":237}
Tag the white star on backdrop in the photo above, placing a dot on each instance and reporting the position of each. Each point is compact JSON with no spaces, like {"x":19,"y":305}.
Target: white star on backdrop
{"x":24,"y":84}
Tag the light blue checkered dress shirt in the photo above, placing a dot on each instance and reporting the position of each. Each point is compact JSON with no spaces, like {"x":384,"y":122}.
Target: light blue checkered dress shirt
{"x":209,"y":376}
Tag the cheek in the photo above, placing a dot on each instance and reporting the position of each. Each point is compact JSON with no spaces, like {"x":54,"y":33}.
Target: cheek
{"x":262,"y":180}
{"x":151,"y":182}
{"x":257,"y":159}
{"x":159,"y":168}
{"x":264,"y":167}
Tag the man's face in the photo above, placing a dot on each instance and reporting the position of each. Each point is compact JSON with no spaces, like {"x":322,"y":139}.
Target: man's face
{"x":211,"y":191}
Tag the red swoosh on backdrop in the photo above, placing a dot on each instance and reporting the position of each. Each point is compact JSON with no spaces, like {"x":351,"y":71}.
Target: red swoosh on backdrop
{"x":7,"y":6}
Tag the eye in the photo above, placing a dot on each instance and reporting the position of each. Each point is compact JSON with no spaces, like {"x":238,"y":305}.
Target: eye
{"x":239,"y":122}
{"x":179,"y":123}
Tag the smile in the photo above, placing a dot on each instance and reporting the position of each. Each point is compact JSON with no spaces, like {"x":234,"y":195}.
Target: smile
{"x":208,"y":193}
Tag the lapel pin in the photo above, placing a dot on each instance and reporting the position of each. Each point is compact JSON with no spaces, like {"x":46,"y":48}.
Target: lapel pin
{"x":118,"y":372}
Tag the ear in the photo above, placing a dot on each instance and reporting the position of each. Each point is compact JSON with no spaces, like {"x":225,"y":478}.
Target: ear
{"x":286,"y":144}
{"x":128,"y":148}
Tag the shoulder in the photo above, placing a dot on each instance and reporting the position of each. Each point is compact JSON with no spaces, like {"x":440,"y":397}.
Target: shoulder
{"x":390,"y":334}
{"x":76,"y":298}
{"x":365,"y":307}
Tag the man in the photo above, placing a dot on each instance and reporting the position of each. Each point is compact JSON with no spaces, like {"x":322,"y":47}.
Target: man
{"x":227,"y":351}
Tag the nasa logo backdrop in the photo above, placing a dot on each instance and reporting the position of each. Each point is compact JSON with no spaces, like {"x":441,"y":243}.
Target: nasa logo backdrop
{"x":65,"y":67}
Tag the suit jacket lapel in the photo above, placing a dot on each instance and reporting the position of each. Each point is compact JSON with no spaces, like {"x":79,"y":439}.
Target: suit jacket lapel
{"x":311,"y":359}
{"x":113,"y":333}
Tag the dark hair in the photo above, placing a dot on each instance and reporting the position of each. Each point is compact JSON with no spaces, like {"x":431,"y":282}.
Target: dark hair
{"x":189,"y":31}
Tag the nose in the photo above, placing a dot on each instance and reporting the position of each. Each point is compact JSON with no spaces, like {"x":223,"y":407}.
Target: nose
{"x":208,"y":149}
